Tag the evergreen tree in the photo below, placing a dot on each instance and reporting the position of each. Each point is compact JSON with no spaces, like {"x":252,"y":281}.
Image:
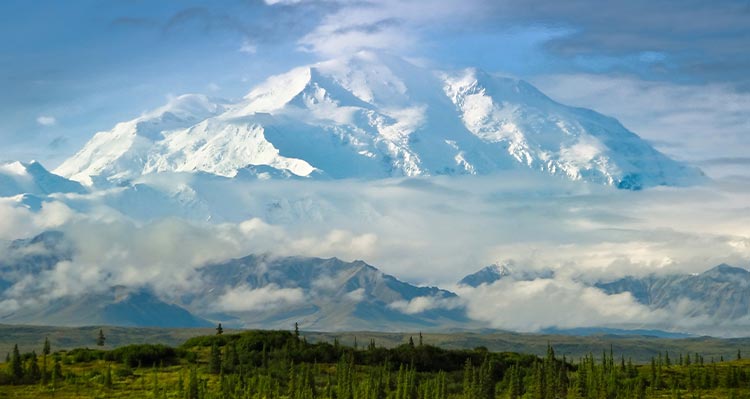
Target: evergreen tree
{"x":193,"y":390}
{"x":16,"y":366}
{"x":101,"y":338}
{"x":33,"y":374}
{"x":214,"y":361}
{"x":46,"y":349}
{"x":57,"y":369}
{"x":219,"y":329}
{"x":230,"y":360}
{"x":515,"y":385}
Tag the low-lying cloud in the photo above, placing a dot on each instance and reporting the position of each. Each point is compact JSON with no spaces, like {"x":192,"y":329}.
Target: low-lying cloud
{"x":427,"y":231}
{"x":269,"y":297}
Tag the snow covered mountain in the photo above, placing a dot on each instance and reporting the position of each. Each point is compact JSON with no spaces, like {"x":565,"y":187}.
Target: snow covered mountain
{"x":503,"y":270}
{"x":32,"y":178}
{"x":374,"y":116}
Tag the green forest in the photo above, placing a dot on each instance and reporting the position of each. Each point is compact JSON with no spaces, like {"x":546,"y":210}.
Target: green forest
{"x":283,"y":364}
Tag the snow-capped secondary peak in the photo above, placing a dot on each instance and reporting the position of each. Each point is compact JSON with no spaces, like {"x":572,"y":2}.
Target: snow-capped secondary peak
{"x":32,"y":178}
{"x":372,"y":115}
{"x":504,"y":270}
{"x":123,"y":152}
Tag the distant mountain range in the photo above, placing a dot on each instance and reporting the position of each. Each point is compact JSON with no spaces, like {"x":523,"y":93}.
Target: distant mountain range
{"x":261,"y":291}
{"x":721,"y":293}
{"x":254,"y":291}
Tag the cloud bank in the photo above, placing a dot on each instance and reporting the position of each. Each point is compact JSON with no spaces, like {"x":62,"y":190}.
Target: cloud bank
{"x":430,"y":231}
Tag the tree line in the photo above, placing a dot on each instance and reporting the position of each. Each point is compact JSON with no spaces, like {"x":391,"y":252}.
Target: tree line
{"x":282,"y":364}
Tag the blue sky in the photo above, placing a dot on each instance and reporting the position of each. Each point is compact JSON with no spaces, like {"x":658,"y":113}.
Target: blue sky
{"x":69,"y":69}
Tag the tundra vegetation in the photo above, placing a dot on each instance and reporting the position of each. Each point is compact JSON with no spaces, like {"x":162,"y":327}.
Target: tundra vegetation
{"x":283,"y":364}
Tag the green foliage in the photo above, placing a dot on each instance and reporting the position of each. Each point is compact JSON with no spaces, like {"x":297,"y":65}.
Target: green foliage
{"x":281,"y":365}
{"x":143,"y":354}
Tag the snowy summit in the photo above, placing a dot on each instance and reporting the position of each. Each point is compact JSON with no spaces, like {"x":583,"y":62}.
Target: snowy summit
{"x":374,"y":116}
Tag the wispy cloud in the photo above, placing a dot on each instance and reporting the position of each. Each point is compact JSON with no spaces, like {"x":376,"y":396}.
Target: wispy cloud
{"x":46,"y":120}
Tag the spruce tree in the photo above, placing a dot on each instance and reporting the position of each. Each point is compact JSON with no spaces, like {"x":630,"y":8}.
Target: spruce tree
{"x":230,"y":360}
{"x":16,"y":366}
{"x":33,"y":373}
{"x":101,"y":338}
{"x":193,"y":390}
{"x":214,"y":363}
{"x":45,"y":351}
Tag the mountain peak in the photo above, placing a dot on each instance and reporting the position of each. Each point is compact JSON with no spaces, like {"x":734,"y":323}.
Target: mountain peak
{"x":503,"y":270}
{"x":18,"y":178}
{"x":725,"y":270}
{"x":488,"y":274}
{"x":372,"y":115}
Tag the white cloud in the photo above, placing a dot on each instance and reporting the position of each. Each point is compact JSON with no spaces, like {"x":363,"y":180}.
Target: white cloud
{"x":357,"y":295}
{"x":563,"y":303}
{"x":19,"y":221}
{"x":431,"y":231}
{"x":269,"y":297}
{"x":422,"y":304}
{"x":391,"y":25}
{"x":46,"y":120}
{"x":248,"y":47}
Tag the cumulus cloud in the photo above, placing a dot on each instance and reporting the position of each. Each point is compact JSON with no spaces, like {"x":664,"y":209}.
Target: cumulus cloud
{"x":563,"y":303}
{"x":20,"y":221}
{"x":269,"y":297}
{"x":422,"y":304}
{"x":357,"y":295}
